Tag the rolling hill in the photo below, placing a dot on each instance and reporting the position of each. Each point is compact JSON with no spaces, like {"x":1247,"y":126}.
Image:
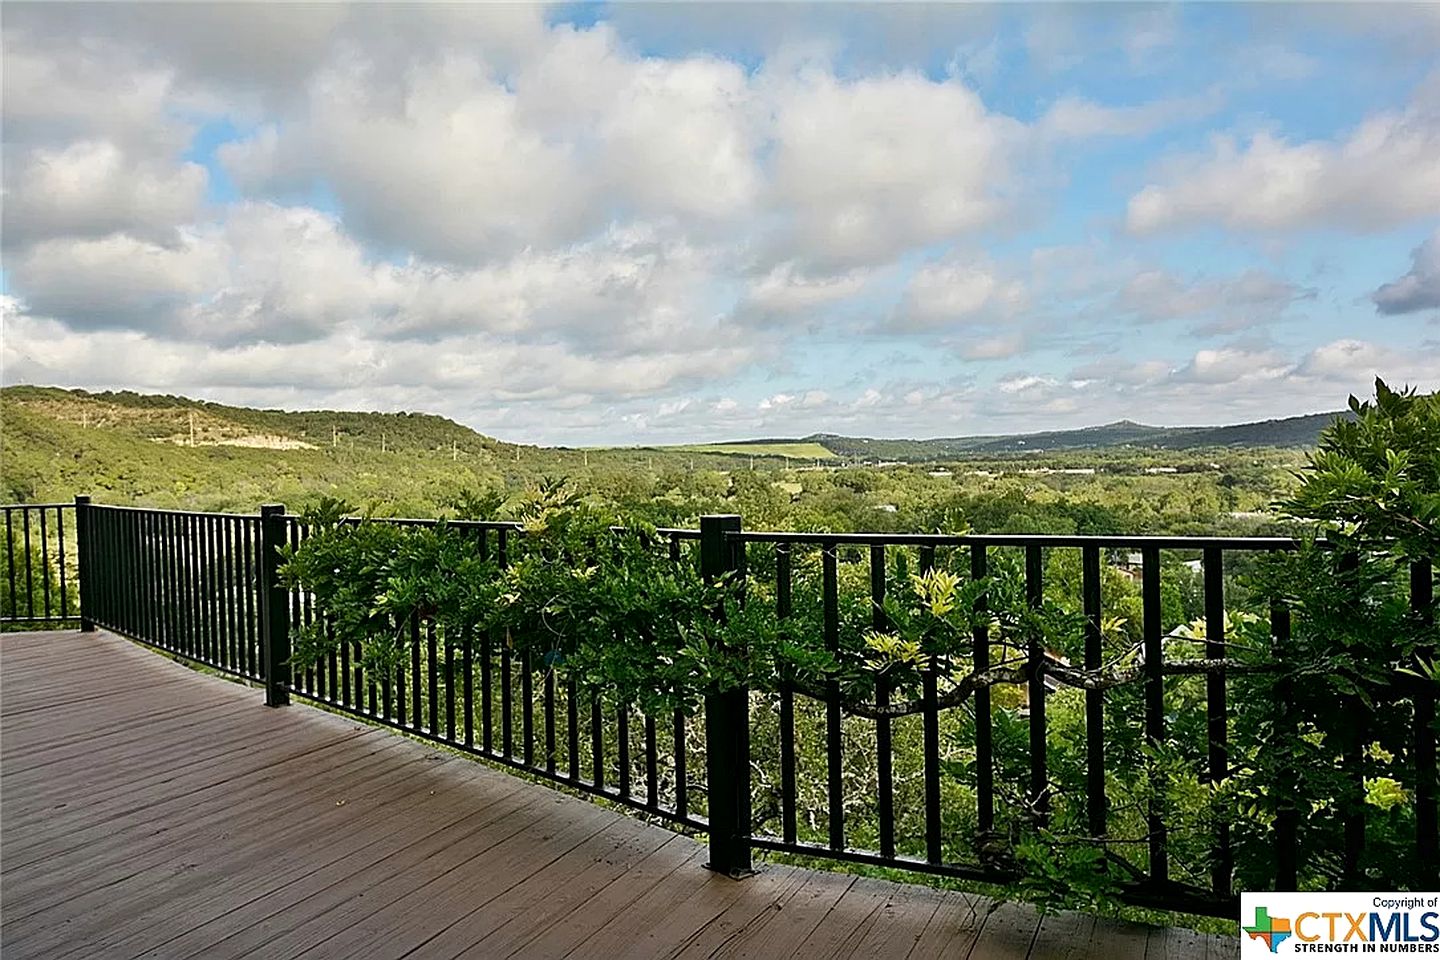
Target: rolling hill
{"x":170,"y":451}
{"x":1289,"y":432}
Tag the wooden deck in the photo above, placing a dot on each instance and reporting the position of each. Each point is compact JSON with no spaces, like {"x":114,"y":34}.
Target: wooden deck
{"x":147,"y":810}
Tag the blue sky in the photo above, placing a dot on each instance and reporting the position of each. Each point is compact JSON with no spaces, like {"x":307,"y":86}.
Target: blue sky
{"x":647,"y":223}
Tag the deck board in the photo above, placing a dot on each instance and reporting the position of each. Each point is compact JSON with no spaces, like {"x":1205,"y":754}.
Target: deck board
{"x":148,"y":810}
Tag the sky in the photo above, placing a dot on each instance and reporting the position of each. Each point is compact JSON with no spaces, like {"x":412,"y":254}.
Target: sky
{"x":661,"y":223}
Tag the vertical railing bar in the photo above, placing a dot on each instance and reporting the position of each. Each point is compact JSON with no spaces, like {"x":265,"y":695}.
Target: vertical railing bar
{"x":652,"y":771}
{"x":572,"y":727}
{"x":29,"y":565}
{"x":371,"y":699}
{"x":783,"y":602}
{"x":402,"y":684}
{"x":682,"y":787}
{"x":550,"y":719}
{"x":166,"y":533}
{"x":202,"y":594}
{"x":222,"y":588}
{"x":597,"y":741}
{"x":1216,"y":725}
{"x":834,"y":745}
{"x":682,"y":774}
{"x":417,"y":703}
{"x":138,"y":574}
{"x":1039,"y":796}
{"x":527,"y":699}
{"x":217,"y":650}
{"x":313,"y":671}
{"x":175,"y":579}
{"x":929,"y":692}
{"x":507,"y":703}
{"x":449,"y":687}
{"x":215,"y":525}
{"x":984,"y":742}
{"x":622,"y":747}
{"x":251,"y":604}
{"x":467,"y":684}
{"x":195,"y":625}
{"x":274,"y":610}
{"x":197,"y":592}
{"x":45,"y":562}
{"x":1152,"y":632}
{"x":1352,"y":762}
{"x":218,"y":561}
{"x":883,"y":758}
{"x":64,"y":575}
{"x":159,"y":621}
{"x":212,"y":600}
{"x":1287,"y":817}
{"x":94,"y":564}
{"x":10,"y":558}
{"x":237,"y":621}
{"x":432,"y":679}
{"x":347,"y":678}
{"x":156,"y":570}
{"x":387,"y":686}
{"x":1427,"y":832}
{"x":118,"y":562}
{"x":1095,"y":801}
{"x":60,"y":533}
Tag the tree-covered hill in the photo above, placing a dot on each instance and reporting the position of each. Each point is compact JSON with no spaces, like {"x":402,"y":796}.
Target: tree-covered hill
{"x":129,"y":448}
{"x":174,"y":451}
{"x":1289,"y":433}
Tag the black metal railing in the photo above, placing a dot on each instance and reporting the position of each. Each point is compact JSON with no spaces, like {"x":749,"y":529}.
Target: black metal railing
{"x":39,"y":585}
{"x":186,"y":583}
{"x":471,"y":691}
{"x":205,"y":587}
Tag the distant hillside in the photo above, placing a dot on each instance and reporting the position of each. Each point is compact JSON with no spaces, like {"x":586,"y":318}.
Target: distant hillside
{"x":1290,"y":432}
{"x":127,"y":447}
{"x":186,"y":422}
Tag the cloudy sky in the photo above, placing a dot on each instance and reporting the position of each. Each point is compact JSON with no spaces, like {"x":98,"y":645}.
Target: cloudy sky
{"x":657,"y":223}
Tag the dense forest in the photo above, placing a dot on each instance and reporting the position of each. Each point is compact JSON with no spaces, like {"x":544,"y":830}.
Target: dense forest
{"x":165,"y":451}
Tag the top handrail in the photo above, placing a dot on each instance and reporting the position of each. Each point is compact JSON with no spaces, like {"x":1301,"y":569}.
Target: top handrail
{"x":1164,"y":541}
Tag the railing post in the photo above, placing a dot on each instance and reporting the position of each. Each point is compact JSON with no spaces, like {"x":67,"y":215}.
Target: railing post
{"x":83,"y":561}
{"x":274,"y":608}
{"x":727,"y":727}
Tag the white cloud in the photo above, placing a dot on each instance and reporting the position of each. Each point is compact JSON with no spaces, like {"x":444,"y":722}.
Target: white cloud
{"x":993,"y":348}
{"x":1384,"y":173}
{"x":871,"y":167}
{"x":786,"y":289}
{"x":1074,"y":117}
{"x":118,"y":281}
{"x":1419,"y":289}
{"x":91,"y":189}
{"x":955,"y":292}
{"x":1220,"y":304}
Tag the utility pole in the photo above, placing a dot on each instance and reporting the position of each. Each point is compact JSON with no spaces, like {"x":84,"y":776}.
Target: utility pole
{"x":454,"y":450}
{"x":382,"y":442}
{"x":334,"y":436}
{"x":585,"y":454}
